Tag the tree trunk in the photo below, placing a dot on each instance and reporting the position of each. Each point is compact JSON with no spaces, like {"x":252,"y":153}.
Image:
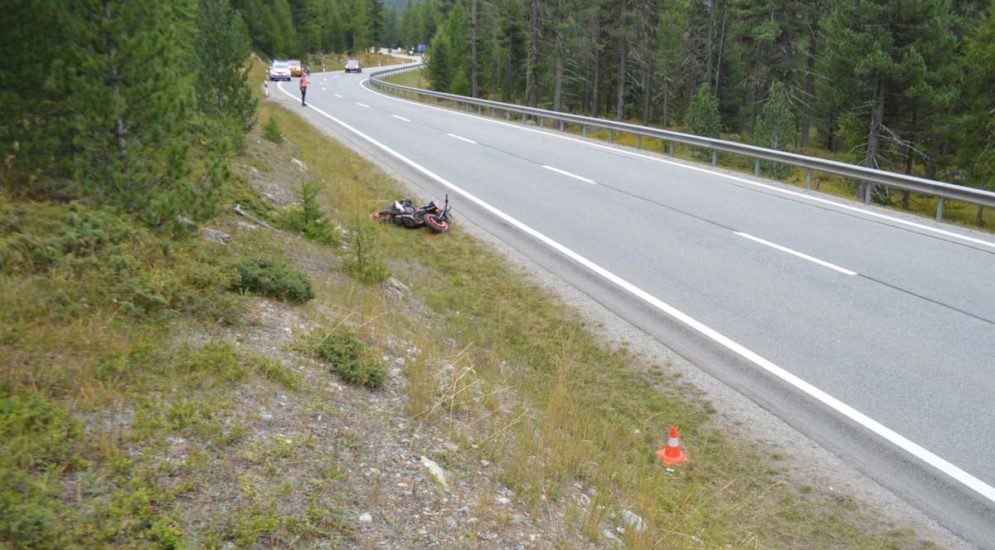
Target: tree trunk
{"x":666,"y":103}
{"x":874,"y":133}
{"x":596,"y":86}
{"x":474,"y":63}
{"x":532,"y":63}
{"x":647,"y":81}
{"x":718,"y":61}
{"x":558,"y":76}
{"x":809,"y":93}
{"x":620,"y":90}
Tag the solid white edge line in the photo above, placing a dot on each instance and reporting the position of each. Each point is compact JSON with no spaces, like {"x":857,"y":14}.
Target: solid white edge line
{"x":801,"y":255}
{"x":768,"y":187}
{"x":568,"y":174}
{"x":461,"y":138}
{"x":363,"y":105}
{"x":399,"y":117}
{"x":916,"y":450}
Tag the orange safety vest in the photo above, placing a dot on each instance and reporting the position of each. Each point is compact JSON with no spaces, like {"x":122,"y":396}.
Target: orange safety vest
{"x":304,"y":81}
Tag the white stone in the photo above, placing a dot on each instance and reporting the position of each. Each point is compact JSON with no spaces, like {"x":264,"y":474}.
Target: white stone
{"x":436,"y":471}
{"x":633,"y":520}
{"x":365,"y":517}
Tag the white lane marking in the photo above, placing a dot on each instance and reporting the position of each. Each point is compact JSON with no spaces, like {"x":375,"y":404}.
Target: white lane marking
{"x":363,"y":105}
{"x":461,"y":138}
{"x":399,"y":117}
{"x":568,"y":174}
{"x":765,"y":186}
{"x":897,"y":439}
{"x":801,"y":255}
{"x":324,"y":89}
{"x":338,"y":96}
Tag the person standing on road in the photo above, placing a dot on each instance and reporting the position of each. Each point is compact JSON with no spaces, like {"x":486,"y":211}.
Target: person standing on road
{"x":305,"y":81}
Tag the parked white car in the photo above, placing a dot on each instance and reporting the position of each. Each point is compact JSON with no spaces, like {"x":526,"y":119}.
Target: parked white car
{"x":279,"y":70}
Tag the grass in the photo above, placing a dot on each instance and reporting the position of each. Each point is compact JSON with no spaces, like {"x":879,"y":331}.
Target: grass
{"x":133,"y":405}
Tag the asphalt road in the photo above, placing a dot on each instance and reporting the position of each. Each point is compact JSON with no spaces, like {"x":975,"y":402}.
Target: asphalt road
{"x":871,"y":332}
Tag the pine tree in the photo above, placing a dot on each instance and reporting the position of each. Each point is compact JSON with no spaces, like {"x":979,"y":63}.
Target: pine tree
{"x":223,"y":49}
{"x":776,"y":127}
{"x":703,"y":117}
{"x":896,"y":57}
{"x":126,"y":81}
{"x":977,"y":144}
{"x":439,"y":60}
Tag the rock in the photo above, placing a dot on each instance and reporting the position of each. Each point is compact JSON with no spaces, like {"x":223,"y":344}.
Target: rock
{"x":633,"y":520}
{"x":503,"y":500}
{"x":436,"y":471}
{"x":365,"y":517}
{"x":396,"y":288}
{"x":299,"y":164}
{"x":610,"y":537}
{"x":215,"y":235}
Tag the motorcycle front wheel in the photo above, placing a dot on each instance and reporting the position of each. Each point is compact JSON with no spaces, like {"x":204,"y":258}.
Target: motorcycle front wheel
{"x":436,"y":223}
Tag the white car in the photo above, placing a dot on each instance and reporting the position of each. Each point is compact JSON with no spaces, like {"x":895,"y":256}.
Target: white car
{"x":279,"y":70}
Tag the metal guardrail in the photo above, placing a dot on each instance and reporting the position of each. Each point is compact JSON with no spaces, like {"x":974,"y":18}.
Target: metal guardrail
{"x":871,"y":176}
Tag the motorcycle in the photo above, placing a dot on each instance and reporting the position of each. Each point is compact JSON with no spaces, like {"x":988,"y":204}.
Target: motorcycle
{"x":404,"y":213}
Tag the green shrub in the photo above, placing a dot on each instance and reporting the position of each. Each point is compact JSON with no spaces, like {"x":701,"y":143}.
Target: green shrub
{"x":275,"y":372}
{"x":215,"y":362}
{"x":351,"y":358}
{"x":273,"y":279}
{"x":308,"y":219}
{"x":365,"y":264}
{"x":37,"y":443}
{"x":73,"y":259}
{"x":271,"y":131}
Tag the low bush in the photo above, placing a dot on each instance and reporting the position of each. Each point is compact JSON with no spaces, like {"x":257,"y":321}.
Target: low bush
{"x":307,"y":218}
{"x":365,"y":263}
{"x":351,"y":358}
{"x":37,"y":442}
{"x":71,"y":259}
{"x":271,"y":131}
{"x":272,"y":279}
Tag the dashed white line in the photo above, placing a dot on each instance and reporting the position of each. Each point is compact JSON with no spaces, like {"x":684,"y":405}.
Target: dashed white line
{"x":569,"y":175}
{"x":897,"y":439}
{"x":795,"y":253}
{"x":461,"y":138}
{"x":399,"y":117}
{"x":804,"y":196}
{"x":338,"y":96}
{"x":324,"y":89}
{"x":363,"y":105}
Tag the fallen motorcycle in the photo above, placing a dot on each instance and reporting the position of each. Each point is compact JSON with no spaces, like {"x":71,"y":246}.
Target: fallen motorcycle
{"x":404,"y":213}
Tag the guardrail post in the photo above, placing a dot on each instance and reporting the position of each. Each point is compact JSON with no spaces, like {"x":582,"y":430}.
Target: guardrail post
{"x":583,"y":130}
{"x":868,"y":192}
{"x":611,"y":136}
{"x":507,"y":115}
{"x":560,"y":124}
{"x":478,"y":109}
{"x":715,"y":157}
{"x":756,"y":167}
{"x":939,"y":210}
{"x":672,"y":153}
{"x":808,"y":179}
{"x":639,"y":141}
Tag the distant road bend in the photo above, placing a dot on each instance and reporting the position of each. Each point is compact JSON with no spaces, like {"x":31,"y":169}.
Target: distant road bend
{"x":873,"y":333}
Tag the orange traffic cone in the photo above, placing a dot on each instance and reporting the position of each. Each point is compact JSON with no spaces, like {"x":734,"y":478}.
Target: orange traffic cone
{"x":673,"y":454}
